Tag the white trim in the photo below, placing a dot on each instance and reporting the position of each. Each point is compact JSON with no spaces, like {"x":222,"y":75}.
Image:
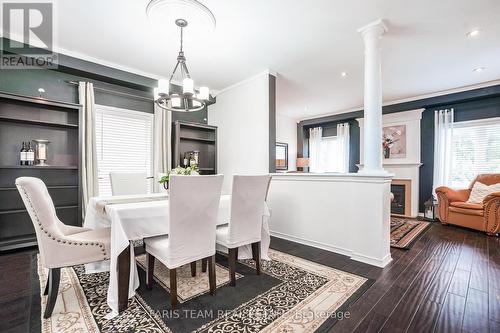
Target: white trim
{"x":339,"y":250}
{"x":312,"y":243}
{"x":399,"y":165}
{"x":409,"y":99}
{"x":333,"y":177}
{"x":371,"y":260}
{"x":251,"y":78}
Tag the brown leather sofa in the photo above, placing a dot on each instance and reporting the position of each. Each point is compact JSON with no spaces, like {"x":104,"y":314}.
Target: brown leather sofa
{"x":454,"y":209}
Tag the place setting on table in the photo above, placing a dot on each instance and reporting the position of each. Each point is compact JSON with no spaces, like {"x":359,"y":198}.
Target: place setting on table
{"x":133,"y":217}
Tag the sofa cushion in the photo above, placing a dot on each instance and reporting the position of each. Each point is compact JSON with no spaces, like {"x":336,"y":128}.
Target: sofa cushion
{"x":467,"y":205}
{"x":481,"y":191}
{"x":465,"y":208}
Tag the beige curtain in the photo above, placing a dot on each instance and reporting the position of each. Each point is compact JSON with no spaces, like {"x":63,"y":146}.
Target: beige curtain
{"x":162,"y":155}
{"x":89,"y":176}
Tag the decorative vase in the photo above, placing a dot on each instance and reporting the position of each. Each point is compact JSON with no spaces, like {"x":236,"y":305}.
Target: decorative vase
{"x":165,"y":185}
{"x":387,"y":152}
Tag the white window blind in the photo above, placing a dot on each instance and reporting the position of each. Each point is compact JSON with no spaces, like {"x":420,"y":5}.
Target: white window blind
{"x":330,"y":154}
{"x":124,"y":142}
{"x":475,"y":150}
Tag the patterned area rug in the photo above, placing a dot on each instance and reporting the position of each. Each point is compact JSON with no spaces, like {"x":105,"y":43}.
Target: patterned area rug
{"x":404,"y":232}
{"x":292,"y":295}
{"x":188,"y":287}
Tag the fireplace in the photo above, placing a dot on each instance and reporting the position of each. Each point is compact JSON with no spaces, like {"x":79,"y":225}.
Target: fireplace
{"x":398,"y":203}
{"x":401,"y":204}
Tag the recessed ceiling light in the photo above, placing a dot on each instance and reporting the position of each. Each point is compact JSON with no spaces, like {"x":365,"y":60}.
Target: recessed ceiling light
{"x":473,"y":33}
{"x":478,"y":69}
{"x":343,"y":74}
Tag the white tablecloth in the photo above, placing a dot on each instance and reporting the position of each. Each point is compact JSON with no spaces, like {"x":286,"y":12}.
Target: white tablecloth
{"x":133,"y":221}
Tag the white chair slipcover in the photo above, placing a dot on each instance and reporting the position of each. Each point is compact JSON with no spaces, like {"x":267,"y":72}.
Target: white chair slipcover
{"x":194,"y":203}
{"x":247,"y":208}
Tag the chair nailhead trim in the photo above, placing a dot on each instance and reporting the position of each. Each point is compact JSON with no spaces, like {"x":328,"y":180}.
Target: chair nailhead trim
{"x":54,"y":238}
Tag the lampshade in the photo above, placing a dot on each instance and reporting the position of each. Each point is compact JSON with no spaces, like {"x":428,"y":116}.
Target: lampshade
{"x":204,"y":93}
{"x":176,"y":102}
{"x":302,"y":162}
{"x":188,"y":86}
{"x":163,"y":86}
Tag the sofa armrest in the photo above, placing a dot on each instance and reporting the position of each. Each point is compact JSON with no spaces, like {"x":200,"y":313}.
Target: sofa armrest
{"x":491,"y":206}
{"x":446,"y":196}
{"x":454,"y":195}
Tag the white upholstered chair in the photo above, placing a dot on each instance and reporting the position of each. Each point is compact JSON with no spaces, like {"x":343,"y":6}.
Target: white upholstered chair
{"x":124,"y":183}
{"x":59,"y":245}
{"x":245,"y":227}
{"x":193,"y":208}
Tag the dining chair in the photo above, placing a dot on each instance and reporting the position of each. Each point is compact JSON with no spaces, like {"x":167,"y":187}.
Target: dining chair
{"x":59,"y":245}
{"x":124,"y":183}
{"x":248,"y":197}
{"x":193,"y":208}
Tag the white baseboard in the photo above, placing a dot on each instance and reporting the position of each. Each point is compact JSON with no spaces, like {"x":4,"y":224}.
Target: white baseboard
{"x":354,"y":256}
{"x":371,"y":260}
{"x":312,"y":243}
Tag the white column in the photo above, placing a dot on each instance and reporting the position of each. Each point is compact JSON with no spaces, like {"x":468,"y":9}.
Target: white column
{"x":372,"y":34}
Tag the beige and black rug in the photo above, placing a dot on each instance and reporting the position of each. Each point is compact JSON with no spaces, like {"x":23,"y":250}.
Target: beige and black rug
{"x":292,"y":295}
{"x":404,"y":231}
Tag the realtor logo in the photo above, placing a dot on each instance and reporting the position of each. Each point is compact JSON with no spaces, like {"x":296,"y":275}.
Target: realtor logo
{"x":28,"y":31}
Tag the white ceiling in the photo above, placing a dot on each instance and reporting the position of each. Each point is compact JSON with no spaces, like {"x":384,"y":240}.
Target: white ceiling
{"x":307,"y":42}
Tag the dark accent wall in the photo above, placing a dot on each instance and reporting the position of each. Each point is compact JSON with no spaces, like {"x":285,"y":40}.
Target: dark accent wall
{"x":330,"y":129}
{"x":473,"y":104}
{"x":114,"y":87}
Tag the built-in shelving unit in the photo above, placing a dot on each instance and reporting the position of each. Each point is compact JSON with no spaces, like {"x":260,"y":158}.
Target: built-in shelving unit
{"x":187,"y":136}
{"x":25,"y":118}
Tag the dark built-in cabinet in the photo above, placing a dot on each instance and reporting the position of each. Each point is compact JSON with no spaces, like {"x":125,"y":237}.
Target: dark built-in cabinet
{"x":24,"y":118}
{"x":187,"y":137}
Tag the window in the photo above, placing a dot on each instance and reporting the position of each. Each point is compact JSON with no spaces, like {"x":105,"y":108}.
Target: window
{"x":124,"y":142}
{"x":330,"y":152}
{"x":475,"y":150}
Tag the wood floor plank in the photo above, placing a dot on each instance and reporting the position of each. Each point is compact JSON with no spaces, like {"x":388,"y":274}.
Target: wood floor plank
{"x":460,"y":282}
{"x":476,"y":312}
{"x":402,"y":316}
{"x":451,"y":315}
{"x":396,"y":292}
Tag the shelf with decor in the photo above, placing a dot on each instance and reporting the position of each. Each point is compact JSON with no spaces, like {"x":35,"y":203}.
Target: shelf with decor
{"x":25,"y":119}
{"x":188,"y":137}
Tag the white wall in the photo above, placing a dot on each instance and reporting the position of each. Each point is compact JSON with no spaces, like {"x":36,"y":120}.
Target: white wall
{"x":286,"y":132}
{"x":241,"y":114}
{"x":343,"y":213}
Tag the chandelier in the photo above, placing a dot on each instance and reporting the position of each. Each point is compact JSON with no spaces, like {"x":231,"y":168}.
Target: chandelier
{"x":189,"y":100}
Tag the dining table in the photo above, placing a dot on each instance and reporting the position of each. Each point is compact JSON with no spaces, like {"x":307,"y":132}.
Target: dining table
{"x":135,"y":217}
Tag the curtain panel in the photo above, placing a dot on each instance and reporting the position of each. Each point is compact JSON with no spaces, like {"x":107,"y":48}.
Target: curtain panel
{"x":443,"y":136}
{"x":88,"y":173}
{"x":342,"y":164}
{"x":162,"y":151}
{"x":315,"y":147}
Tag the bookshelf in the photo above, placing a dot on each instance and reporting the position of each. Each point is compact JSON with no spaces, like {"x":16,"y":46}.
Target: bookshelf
{"x":188,"y":136}
{"x":24,"y":118}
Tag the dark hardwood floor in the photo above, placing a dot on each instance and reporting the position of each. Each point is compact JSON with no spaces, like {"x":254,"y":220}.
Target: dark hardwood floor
{"x":449,"y":281}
